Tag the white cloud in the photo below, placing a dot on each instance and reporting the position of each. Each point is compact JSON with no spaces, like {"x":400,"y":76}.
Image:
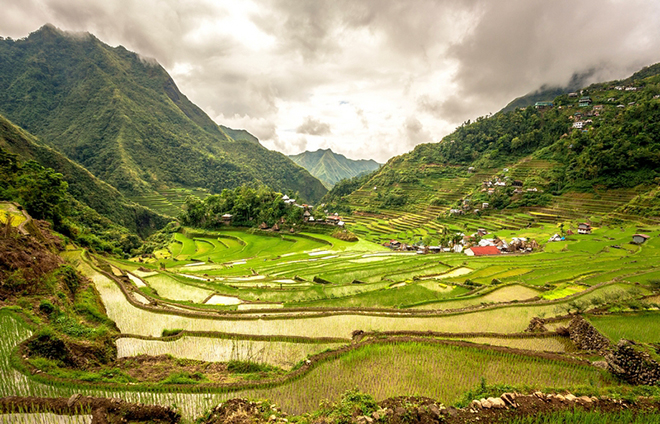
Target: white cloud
{"x":382,"y":75}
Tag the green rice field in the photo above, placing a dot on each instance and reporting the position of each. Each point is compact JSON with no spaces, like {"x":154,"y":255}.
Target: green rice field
{"x":280,"y":299}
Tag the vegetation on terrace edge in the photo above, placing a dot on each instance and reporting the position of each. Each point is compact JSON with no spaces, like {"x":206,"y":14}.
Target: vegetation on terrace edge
{"x":125,"y":120}
{"x":73,"y":328}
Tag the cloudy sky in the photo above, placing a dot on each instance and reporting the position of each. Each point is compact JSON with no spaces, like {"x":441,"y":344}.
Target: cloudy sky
{"x":367,"y":78}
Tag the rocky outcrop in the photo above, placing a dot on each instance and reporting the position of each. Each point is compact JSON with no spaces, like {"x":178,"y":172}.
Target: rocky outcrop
{"x":585,"y":336}
{"x":636,"y":363}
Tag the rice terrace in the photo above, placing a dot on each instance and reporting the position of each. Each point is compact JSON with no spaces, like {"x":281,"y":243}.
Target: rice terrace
{"x":158,"y":267}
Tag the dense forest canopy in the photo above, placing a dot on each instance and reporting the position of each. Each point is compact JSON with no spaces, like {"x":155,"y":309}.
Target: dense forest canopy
{"x":248,"y":206}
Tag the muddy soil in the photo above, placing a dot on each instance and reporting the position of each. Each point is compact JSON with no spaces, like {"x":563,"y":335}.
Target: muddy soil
{"x":147,"y":368}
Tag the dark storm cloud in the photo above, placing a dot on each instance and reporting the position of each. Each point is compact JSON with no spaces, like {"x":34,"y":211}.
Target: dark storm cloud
{"x":313,"y":126}
{"x":519,"y":45}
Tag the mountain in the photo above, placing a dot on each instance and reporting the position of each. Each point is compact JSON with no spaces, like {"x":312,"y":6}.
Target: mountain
{"x":97,"y":203}
{"x":331,"y":167}
{"x":597,"y":158}
{"x":124,"y":119}
{"x":547,"y":93}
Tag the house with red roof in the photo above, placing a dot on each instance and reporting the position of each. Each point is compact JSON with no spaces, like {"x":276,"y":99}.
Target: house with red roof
{"x":482,"y":251}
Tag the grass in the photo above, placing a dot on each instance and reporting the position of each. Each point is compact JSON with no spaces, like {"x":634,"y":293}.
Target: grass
{"x":501,"y":294}
{"x":436,"y":371}
{"x":562,"y":290}
{"x":578,"y":416}
{"x":7,"y":209}
{"x":642,"y":327}
{"x":171,"y":288}
{"x":277,"y":353}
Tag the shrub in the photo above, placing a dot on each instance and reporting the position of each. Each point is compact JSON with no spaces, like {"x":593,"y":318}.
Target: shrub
{"x":69,"y":276}
{"x":247,"y":367}
{"x":46,"y":307}
{"x":185,"y":378}
{"x":172,"y":332}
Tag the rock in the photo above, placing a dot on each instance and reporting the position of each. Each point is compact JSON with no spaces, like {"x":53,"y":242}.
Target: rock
{"x":486,"y":404}
{"x":509,"y":399}
{"x":272,"y":418}
{"x":585,"y":400}
{"x":363,"y":419}
{"x":571,"y":398}
{"x":636,"y":363}
{"x":536,"y":325}
{"x":600,"y":364}
{"x":475,"y":404}
{"x":434,"y":410}
{"x":560,"y":398}
{"x":585,"y":336}
{"x":73,"y":399}
{"x":497,"y":403}
{"x":539,"y":395}
{"x":399,"y":411}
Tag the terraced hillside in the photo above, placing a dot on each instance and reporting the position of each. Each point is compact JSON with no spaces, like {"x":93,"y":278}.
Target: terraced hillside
{"x":311,"y":311}
{"x":570,"y":162}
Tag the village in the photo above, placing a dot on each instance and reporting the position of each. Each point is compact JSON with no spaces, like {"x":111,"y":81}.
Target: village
{"x":477,"y":244}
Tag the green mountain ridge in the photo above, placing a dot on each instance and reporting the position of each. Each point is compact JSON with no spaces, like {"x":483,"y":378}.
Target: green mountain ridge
{"x":125,"y":120}
{"x":331,"y":167}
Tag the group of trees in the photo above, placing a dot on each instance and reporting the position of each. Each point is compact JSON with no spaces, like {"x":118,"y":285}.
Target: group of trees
{"x":44,"y":195}
{"x":249,"y":207}
{"x":40,"y":190}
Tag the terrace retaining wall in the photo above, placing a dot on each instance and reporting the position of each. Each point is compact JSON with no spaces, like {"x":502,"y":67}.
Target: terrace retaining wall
{"x":585,"y":336}
{"x":635,"y":363}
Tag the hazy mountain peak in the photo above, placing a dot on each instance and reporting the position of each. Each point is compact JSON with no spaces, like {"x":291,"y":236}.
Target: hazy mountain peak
{"x":331,"y":167}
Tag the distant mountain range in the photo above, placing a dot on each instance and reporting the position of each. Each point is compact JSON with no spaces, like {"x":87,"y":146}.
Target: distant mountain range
{"x":125,"y":120}
{"x":331,"y":167}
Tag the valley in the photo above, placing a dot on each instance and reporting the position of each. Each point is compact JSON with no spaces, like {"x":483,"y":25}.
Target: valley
{"x":156,"y":266}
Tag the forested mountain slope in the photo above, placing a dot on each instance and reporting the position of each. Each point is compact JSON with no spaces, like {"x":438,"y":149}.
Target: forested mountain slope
{"x":125,"y":120}
{"x":82,"y":185}
{"x":587,"y":156}
{"x":331,"y":167}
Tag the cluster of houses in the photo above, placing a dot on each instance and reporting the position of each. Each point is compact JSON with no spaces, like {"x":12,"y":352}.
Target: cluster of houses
{"x":490,"y":187}
{"x":329,"y":220}
{"x":470,"y":246}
